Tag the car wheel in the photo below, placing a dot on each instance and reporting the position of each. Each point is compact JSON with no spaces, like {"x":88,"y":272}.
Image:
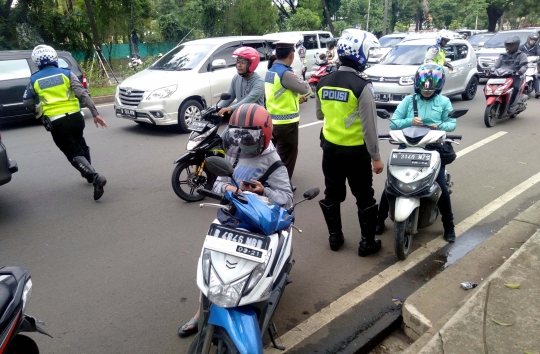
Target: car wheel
{"x":189,"y":111}
{"x":471,"y":89}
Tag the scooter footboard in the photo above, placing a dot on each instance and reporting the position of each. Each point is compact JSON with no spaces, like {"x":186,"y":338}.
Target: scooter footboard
{"x":242,"y":326}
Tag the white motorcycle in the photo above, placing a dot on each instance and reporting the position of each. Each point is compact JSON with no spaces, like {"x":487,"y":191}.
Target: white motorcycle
{"x":243,"y":269}
{"x":531,"y":74}
{"x":411,"y":188}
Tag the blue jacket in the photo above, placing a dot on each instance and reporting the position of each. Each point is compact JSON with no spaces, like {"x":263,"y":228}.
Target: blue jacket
{"x":433,"y":111}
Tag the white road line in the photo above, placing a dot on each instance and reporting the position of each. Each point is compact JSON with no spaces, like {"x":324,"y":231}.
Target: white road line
{"x":480,"y":143}
{"x":310,"y":124}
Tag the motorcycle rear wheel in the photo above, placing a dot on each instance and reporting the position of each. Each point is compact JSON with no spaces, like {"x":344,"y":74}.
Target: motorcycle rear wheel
{"x":221,"y":343}
{"x":22,"y":345}
{"x":489,"y":115}
{"x":185,"y":180}
{"x":403,"y":237}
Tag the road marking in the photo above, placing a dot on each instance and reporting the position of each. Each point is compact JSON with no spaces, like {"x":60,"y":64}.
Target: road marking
{"x":480,"y":143}
{"x":310,"y":124}
{"x":364,"y":290}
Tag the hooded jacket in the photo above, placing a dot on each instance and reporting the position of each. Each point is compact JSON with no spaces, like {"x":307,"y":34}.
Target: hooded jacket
{"x":512,"y":62}
{"x":432,"y":111}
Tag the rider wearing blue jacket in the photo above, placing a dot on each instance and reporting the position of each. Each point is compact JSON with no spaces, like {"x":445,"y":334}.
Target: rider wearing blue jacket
{"x":433,"y":110}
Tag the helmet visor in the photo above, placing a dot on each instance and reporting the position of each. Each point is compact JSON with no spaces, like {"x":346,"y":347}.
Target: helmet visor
{"x":429,"y":80}
{"x":243,"y":142}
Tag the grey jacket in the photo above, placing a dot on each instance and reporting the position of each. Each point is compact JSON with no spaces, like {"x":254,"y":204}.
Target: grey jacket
{"x":530,"y":51}
{"x":515,"y":62}
{"x":245,"y":91}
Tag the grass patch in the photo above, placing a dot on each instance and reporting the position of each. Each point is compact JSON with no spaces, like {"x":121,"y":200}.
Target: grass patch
{"x":102,"y":91}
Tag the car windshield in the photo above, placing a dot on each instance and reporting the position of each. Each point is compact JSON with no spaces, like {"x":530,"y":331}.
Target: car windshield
{"x":474,"y":40}
{"x":390,"y":41}
{"x":497,"y":41}
{"x":406,"y":55}
{"x":183,"y":57}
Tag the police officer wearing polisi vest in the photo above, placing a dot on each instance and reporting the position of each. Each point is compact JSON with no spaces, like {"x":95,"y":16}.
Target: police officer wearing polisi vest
{"x":437,"y":54}
{"x":282,"y":89}
{"x":54,"y":94}
{"x":349,"y":140}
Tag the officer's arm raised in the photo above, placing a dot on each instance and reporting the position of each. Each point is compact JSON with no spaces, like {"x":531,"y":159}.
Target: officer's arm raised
{"x":82,"y":94}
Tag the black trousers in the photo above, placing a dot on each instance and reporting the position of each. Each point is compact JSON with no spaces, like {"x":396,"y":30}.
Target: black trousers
{"x":351,"y":164}
{"x":515,"y":85}
{"x":67,"y":134}
{"x":286,"y":140}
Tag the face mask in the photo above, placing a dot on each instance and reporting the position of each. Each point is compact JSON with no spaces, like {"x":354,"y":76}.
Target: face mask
{"x":532,"y":43}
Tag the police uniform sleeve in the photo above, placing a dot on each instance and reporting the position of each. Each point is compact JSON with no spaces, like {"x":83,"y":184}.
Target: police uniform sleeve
{"x":431,"y":53}
{"x":82,"y":94}
{"x":368,"y":114}
{"x":29,"y":98}
{"x":292,"y":82}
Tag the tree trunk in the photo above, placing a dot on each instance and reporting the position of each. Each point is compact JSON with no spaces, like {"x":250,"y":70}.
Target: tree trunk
{"x":93,"y":26}
{"x":419,"y":18}
{"x":494,"y":14}
{"x":393,"y":16}
{"x":385,"y":20}
{"x":328,"y":19}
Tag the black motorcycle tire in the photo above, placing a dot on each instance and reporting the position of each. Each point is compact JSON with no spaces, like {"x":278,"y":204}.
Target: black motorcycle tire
{"x":403,"y":238}
{"x":22,"y":345}
{"x":192,"y":196}
{"x":220,"y":336}
{"x":489,"y":115}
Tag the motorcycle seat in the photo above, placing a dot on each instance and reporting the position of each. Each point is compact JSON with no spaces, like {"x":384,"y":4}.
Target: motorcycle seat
{"x":6,"y":296}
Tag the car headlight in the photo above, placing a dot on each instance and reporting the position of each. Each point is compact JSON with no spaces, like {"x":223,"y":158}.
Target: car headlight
{"x":410,"y":187}
{"x":258,"y":272}
{"x":406,"y":80}
{"x":206,"y":263}
{"x":193,"y":143}
{"x":225,"y":295}
{"x":163,"y":92}
{"x":27,"y":292}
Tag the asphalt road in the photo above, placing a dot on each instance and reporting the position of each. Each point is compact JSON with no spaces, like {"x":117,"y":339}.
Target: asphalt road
{"x":118,"y":275}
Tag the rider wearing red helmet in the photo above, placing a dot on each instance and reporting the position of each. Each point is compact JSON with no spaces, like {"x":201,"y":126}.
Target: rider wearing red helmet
{"x":246,"y":86}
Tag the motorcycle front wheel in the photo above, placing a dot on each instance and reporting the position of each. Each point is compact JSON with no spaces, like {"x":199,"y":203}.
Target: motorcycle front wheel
{"x":404,"y":236}
{"x":221,"y":343}
{"x":490,"y":115}
{"x":186,"y":180}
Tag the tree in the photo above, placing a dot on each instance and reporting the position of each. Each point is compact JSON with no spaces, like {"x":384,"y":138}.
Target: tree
{"x":303,"y":20}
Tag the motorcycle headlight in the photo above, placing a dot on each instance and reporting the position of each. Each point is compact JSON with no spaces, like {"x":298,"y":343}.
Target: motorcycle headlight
{"x":26,"y":293}
{"x":258,"y":272}
{"x":489,"y":91}
{"x":206,"y":263}
{"x":193,"y":143}
{"x":501,"y":89}
{"x":163,"y":92}
{"x":410,"y":187}
{"x":406,"y":80}
{"x":225,"y":295}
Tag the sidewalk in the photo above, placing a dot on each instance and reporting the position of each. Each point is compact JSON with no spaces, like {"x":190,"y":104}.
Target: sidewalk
{"x":498,"y":319}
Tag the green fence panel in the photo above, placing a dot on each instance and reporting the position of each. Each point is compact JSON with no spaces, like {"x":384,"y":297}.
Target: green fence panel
{"x":117,"y":51}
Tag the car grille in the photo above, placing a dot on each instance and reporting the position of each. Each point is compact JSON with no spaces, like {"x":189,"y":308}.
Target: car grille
{"x":384,"y":79}
{"x":129,"y":97}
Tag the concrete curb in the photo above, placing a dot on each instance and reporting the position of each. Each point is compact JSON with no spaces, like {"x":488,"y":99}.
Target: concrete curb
{"x":103,"y":99}
{"x":440,"y":298}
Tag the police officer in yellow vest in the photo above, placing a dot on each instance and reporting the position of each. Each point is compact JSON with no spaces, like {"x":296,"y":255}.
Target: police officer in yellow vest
{"x":54,"y":94}
{"x":349,"y":140}
{"x":282,"y":89}
{"x":437,"y":54}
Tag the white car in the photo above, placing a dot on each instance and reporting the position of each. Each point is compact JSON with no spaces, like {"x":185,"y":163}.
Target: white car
{"x":393,"y":78}
{"x":172,"y":90}
{"x":387,"y":43}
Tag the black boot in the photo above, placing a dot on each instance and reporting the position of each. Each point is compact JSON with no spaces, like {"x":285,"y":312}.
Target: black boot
{"x":368,"y":222}
{"x":447,"y":217}
{"x":382,"y":214}
{"x":332,"y":216}
{"x":88,"y":172}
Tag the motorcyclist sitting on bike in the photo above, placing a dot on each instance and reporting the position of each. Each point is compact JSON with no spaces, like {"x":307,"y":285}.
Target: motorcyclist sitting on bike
{"x":246,"y":86}
{"x":532,"y":48}
{"x":433,"y":109}
{"x":515,"y":62}
{"x":247,"y":143}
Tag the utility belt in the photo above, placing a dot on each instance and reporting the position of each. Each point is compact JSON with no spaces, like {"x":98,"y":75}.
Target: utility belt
{"x":47,"y":121}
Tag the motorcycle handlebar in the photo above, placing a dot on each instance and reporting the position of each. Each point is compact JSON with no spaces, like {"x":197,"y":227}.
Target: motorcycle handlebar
{"x":453,"y":137}
{"x":208,"y":193}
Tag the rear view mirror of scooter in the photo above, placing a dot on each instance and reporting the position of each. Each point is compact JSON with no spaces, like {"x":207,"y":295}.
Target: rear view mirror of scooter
{"x":456,"y":113}
{"x":383,"y":113}
{"x":219,"y":166}
{"x":310,"y":194}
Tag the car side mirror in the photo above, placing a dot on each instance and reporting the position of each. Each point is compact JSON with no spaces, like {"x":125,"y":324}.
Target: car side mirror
{"x":219,"y":166}
{"x":456,"y":113}
{"x":383,"y":113}
{"x":219,"y":64}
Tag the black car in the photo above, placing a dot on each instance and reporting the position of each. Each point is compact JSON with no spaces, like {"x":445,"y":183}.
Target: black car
{"x":15,"y":70}
{"x":7,"y":166}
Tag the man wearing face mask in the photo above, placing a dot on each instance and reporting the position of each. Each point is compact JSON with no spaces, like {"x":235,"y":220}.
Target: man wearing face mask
{"x":532,"y":48}
{"x":513,"y":61}
{"x":246,"y":86}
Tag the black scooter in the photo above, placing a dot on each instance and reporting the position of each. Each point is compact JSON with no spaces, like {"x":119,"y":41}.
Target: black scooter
{"x":190,"y":172}
{"x":15,"y":291}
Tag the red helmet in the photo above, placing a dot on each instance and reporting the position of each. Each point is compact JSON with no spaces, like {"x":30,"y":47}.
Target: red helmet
{"x":250,"y":129}
{"x":250,"y":55}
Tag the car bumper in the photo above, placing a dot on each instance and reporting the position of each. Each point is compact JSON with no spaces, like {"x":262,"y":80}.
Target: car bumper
{"x":163,"y":112}
{"x":391,"y":94}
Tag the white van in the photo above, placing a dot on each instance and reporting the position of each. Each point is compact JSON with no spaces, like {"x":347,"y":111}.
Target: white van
{"x":314,"y":41}
{"x":171,"y":91}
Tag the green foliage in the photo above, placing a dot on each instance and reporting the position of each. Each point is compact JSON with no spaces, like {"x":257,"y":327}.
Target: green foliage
{"x":251,"y":17}
{"x":303,"y":20}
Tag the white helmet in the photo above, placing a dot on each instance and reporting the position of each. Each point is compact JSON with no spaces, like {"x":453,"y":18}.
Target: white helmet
{"x":355,"y":45}
{"x":443,"y":35}
{"x":43,"y":55}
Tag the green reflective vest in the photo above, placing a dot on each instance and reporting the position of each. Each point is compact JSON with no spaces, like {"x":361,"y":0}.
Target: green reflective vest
{"x":342,"y":123}
{"x":53,"y":87}
{"x":439,"y":57}
{"x":282,"y":104}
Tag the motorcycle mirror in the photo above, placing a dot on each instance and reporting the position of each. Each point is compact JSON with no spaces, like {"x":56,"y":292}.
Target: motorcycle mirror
{"x":383,"y":113}
{"x":225,"y":96}
{"x":456,"y":113}
{"x":219,"y":166}
{"x":312,"y":193}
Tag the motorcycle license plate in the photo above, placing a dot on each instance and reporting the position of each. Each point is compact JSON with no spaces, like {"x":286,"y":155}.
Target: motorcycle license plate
{"x":410,"y":159}
{"x":197,"y":126}
{"x":128,"y":113}
{"x":241,"y":237}
{"x":382,"y":97}
{"x":237,"y":243}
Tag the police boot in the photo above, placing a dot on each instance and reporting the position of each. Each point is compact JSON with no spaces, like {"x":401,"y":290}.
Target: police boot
{"x":88,"y":172}
{"x":87,"y":155}
{"x":368,"y":222}
{"x":332,"y":216}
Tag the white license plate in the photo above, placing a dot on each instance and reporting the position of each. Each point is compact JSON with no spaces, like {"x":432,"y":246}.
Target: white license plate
{"x":128,"y":113}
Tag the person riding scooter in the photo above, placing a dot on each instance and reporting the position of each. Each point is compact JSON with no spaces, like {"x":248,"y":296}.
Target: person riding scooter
{"x":515,"y":62}
{"x":433,"y":109}
{"x":532,"y":49}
